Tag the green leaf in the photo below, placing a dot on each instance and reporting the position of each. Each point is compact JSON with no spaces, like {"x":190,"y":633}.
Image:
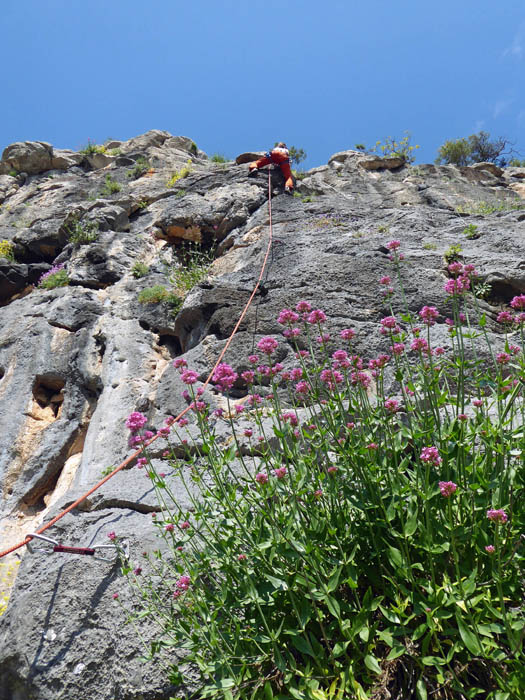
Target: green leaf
{"x":339,"y":649}
{"x":421,"y":690}
{"x":302,"y":645}
{"x":372,"y":664}
{"x":333,"y":605}
{"x":395,"y":557}
{"x":334,"y":579}
{"x":277,"y":583}
{"x":396,"y":651}
{"x":390,"y":616}
{"x":469,"y":638}
{"x":268,"y":693}
{"x":411,"y":524}
{"x":433,"y":661}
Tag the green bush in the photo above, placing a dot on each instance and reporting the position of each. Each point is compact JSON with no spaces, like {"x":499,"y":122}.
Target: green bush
{"x":453,"y":253}
{"x":476,"y":148}
{"x":110,"y":187}
{"x":391,"y":148}
{"x":471,"y":232}
{"x":139,"y":270}
{"x":218,"y":158}
{"x":517,"y":163}
{"x":92,"y":147}
{"x":55,"y":277}
{"x":153,"y":295}
{"x":368,"y":545}
{"x":140,"y":168}
{"x":84,"y":232}
{"x":6,"y":250}
{"x":180,"y":174}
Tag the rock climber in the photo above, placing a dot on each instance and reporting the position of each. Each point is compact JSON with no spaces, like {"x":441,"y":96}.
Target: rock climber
{"x":281,"y":157}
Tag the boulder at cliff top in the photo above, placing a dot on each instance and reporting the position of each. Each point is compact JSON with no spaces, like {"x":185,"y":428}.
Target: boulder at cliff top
{"x":75,"y":361}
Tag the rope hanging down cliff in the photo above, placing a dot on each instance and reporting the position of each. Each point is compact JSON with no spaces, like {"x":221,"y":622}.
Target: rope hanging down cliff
{"x":130,"y":459}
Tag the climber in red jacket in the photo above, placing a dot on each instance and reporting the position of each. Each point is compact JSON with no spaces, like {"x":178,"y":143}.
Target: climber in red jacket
{"x":281,"y":157}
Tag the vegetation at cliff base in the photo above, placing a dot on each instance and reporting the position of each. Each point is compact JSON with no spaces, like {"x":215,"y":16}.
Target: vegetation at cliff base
{"x":347,"y":541}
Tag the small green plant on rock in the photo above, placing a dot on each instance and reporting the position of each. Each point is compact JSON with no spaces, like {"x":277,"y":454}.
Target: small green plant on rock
{"x":81,"y":233}
{"x":13,"y":172}
{"x":55,"y":277}
{"x":218,"y":158}
{"x":484,"y":208}
{"x":429,"y":246}
{"x":481,"y":290}
{"x":153,"y":295}
{"x":471,"y":232}
{"x":180,"y":174}
{"x":452,"y":253}
{"x":383,"y":228}
{"x":111,"y":186}
{"x":140,"y":168}
{"x":6,"y":250}
{"x":143,"y":204}
{"x":92,"y":148}
{"x":180,"y":193}
{"x":139,"y":270}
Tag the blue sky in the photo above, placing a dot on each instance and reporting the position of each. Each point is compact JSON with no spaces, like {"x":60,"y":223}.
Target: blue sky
{"x":236,"y":75}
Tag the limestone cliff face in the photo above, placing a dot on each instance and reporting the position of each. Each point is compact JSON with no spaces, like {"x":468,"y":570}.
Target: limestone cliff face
{"x":76,"y":360}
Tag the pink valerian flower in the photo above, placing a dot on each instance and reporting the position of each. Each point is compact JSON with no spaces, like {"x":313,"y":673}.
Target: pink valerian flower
{"x":447,"y":488}
{"x":198,"y":406}
{"x":372,"y":446}
{"x":242,"y":557}
{"x":277,"y":367}
{"x":112,"y":536}
{"x":248,"y":433}
{"x":137,"y":570}
{"x":462,"y":416}
{"x":136,"y":421}
{"x":287,"y":316}
{"x":389,"y":323}
{"x":302,"y":387}
{"x":457,"y":286}
{"x":302,"y":354}
{"x":490,"y":549}
{"x":292,"y":332}
{"x":185,"y":525}
{"x":141,"y":462}
{"x":224,"y":376}
{"x":115,"y":596}
{"x":398,"y":348}
{"x":478,"y":403}
{"x":379,"y":362}
{"x":339,"y":355}
{"x":385,"y":280}
{"x":514,"y":349}
{"x":505,"y":317}
{"x":430,"y":455}
{"x":439,"y":351}
{"x":254,"y":400}
{"x":392,"y":405}
{"x":182,"y":422}
{"x":502,"y":358}
{"x":361,"y":378}
{"x":280,"y":473}
{"x":428,"y":315}
{"x":296,"y":374}
{"x":332,"y":470}
{"x":393,"y":245}
{"x":169,"y":527}
{"x":261,"y":478}
{"x":263,"y":370}
{"x":303,"y":307}
{"x":455,"y":268}
{"x":183,"y":583}
{"x":253,"y":359}
{"x":291,"y":417}
{"x":52,"y":271}
{"x":316,"y":316}
{"x":180,"y":363}
{"x":164,"y":431}
{"x":324,"y":338}
{"x":189,"y":376}
{"x":419,"y":345}
{"x":318,"y":494}
{"x":248,"y":376}
{"x":267,"y":345}
{"x":518,"y":302}
{"x":239,"y":408}
{"x":218,"y":412}
{"x":331,"y":377}
{"x":387,"y":292}
{"x":347,"y":333}
{"x":470,"y":269}
{"x":497,"y":516}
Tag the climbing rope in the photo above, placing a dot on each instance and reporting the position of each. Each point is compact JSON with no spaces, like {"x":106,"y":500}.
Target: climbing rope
{"x":130,"y":459}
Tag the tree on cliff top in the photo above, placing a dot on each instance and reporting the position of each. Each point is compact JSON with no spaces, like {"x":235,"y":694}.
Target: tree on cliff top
{"x":477,"y":148}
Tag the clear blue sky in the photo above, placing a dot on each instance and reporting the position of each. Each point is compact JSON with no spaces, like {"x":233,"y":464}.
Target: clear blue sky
{"x":236,"y":75}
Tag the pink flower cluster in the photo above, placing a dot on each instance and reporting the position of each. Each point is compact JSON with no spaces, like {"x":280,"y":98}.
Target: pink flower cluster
{"x":447,"y":488}
{"x":497,"y":516}
{"x":224,"y":376}
{"x":136,"y":421}
{"x":518,"y":302}
{"x":430,"y":455}
{"x":428,"y":315}
{"x":268,"y":345}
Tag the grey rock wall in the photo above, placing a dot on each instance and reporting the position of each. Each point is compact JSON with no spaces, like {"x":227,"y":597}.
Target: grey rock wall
{"x":76,"y":360}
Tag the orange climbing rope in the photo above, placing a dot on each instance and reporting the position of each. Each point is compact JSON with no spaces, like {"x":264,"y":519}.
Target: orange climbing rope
{"x":130,"y":459}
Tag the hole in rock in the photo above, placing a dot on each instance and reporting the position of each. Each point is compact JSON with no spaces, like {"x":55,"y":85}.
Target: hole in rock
{"x":2,"y":373}
{"x":171,"y":343}
{"x":501,"y":293}
{"x":48,"y":397}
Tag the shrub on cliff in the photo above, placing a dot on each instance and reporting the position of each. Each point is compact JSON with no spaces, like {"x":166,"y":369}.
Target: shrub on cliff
{"x":477,"y":148}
